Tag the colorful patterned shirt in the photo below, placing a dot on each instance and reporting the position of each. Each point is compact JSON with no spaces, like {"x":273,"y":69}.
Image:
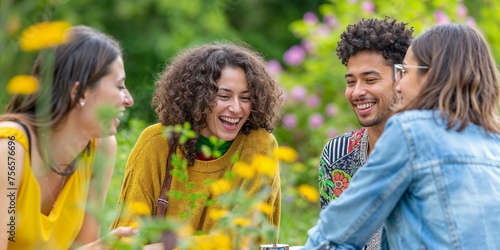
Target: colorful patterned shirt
{"x":342,"y":156}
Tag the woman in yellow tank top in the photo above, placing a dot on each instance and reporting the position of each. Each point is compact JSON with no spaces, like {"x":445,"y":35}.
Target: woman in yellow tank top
{"x":48,"y":172}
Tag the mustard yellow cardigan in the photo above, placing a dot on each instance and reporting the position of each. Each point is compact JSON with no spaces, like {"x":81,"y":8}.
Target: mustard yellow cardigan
{"x":146,"y":169}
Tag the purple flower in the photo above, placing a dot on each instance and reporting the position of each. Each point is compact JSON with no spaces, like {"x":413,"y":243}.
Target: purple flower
{"x":310,"y":18}
{"x":461,"y":11}
{"x":274,"y":66}
{"x":441,"y":17}
{"x":470,"y":21}
{"x":323,"y":30}
{"x":316,"y":120}
{"x":331,"y":110}
{"x":295,"y":55}
{"x":298,"y":93}
{"x":331,"y":21}
{"x":289,"y":121}
{"x":307,"y":45}
{"x":368,"y":7}
{"x":312,"y":101}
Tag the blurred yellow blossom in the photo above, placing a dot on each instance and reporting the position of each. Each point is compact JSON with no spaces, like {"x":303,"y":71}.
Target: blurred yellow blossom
{"x":265,"y":208}
{"x":138,"y":208}
{"x":22,"y":85}
{"x":241,"y":222}
{"x":264,"y":165}
{"x":43,"y":35}
{"x":243,"y":170}
{"x":286,"y":154}
{"x":220,"y":186}
{"x":299,"y":167}
{"x":310,"y":193}
{"x":216,"y":214}
{"x":216,"y":242}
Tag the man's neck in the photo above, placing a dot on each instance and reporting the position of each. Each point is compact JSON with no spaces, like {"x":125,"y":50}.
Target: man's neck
{"x":374,"y":133}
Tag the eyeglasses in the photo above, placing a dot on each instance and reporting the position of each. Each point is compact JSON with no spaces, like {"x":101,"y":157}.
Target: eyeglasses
{"x":400,"y":71}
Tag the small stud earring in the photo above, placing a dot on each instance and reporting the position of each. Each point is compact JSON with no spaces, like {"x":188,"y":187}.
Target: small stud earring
{"x":82,"y":103}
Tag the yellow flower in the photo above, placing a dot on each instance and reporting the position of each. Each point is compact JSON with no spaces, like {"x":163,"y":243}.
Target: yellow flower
{"x":243,"y":170}
{"x":22,"y":85}
{"x":310,"y":193}
{"x":43,"y":35}
{"x":220,"y":186}
{"x":138,"y":208}
{"x":264,"y":165}
{"x":216,"y":242}
{"x":243,"y":222}
{"x":221,"y":241}
{"x":265,"y":208}
{"x":216,"y":214}
{"x":286,"y":154}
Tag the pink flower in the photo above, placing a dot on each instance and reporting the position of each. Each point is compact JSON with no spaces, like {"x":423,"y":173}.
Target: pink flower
{"x":307,"y":45}
{"x":295,"y":55}
{"x":470,"y":21}
{"x":461,"y":11}
{"x":316,"y":120}
{"x":312,"y":101}
{"x":298,"y":93}
{"x":310,"y":18}
{"x":289,"y":121}
{"x":323,"y":30}
{"x":274,"y":66}
{"x":441,"y":17}
{"x":331,"y":21}
{"x":368,"y":7}
{"x":331,"y":109}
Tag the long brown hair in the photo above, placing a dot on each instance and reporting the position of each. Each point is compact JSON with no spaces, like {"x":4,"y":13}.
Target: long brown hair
{"x":462,"y":79}
{"x":85,"y":58}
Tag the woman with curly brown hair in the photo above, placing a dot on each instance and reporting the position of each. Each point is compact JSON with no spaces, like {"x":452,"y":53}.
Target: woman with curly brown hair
{"x":224,"y":91}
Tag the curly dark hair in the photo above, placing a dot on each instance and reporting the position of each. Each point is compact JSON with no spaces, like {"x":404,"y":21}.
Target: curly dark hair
{"x":387,"y":37}
{"x":186,"y":90}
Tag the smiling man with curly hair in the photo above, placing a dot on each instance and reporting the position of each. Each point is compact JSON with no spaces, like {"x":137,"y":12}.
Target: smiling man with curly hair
{"x":369,"y":49}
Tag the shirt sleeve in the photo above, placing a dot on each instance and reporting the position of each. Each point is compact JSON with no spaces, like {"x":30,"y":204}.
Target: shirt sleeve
{"x":350,"y":221}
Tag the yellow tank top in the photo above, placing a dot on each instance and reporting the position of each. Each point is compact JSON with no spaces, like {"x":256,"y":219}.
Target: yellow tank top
{"x":58,"y":230}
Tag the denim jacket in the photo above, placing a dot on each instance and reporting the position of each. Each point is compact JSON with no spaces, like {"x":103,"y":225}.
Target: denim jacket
{"x":430,"y":188}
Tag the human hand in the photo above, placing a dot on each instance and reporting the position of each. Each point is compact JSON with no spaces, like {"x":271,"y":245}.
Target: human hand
{"x":118,"y":233}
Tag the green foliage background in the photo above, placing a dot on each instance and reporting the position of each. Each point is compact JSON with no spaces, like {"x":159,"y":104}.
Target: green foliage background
{"x":152,"y":31}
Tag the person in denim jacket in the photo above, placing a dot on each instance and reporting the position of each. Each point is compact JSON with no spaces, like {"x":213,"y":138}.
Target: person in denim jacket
{"x":369,"y":49}
{"x":434,"y":173}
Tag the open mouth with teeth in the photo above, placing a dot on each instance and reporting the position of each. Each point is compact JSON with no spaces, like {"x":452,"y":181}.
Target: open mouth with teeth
{"x":365,"y":106}
{"x":229,"y":122}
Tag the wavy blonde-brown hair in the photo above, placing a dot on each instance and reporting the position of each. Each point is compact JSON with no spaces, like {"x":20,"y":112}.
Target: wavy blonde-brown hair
{"x":186,"y":90}
{"x":462,"y":79}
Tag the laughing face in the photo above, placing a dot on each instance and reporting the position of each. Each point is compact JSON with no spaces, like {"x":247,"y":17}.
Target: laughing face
{"x":370,"y":88}
{"x":232,"y":108}
{"x":110,"y":94}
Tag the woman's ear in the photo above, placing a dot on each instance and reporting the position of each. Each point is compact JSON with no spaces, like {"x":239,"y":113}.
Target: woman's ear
{"x":74,"y":94}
